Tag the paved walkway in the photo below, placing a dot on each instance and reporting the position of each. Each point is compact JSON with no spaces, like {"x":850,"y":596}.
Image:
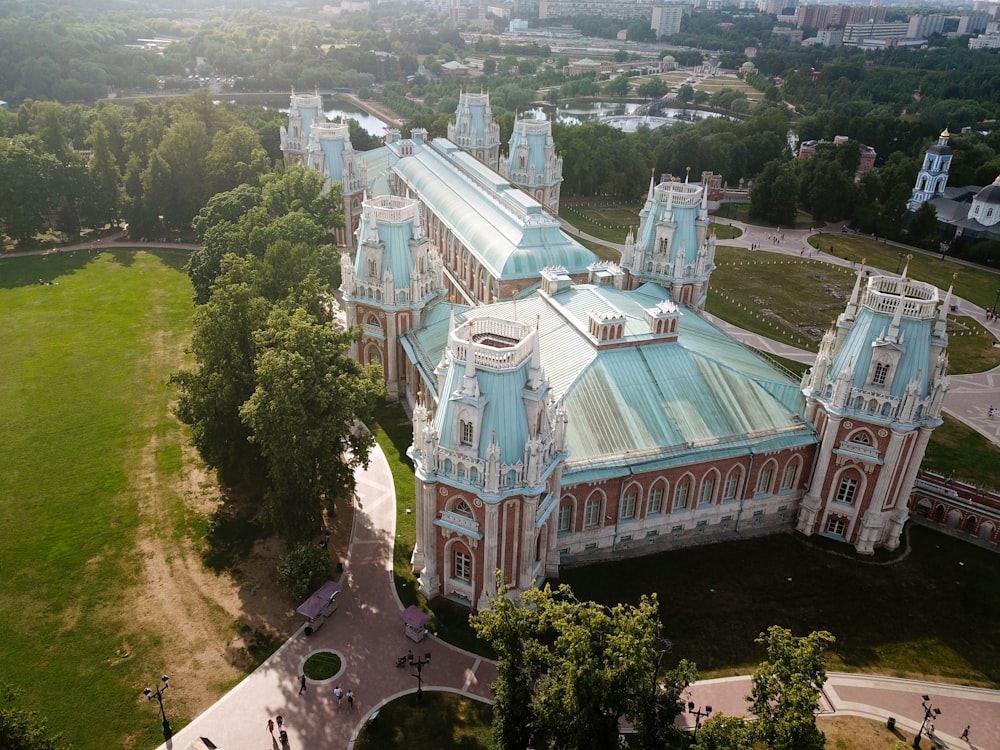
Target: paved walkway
{"x":367,"y":634}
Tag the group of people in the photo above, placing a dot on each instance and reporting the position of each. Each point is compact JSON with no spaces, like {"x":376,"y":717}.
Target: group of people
{"x":280,"y":722}
{"x":991,"y":314}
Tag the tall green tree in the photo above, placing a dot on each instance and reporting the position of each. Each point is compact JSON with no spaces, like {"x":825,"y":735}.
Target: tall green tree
{"x":923,"y":230}
{"x":568,"y":670}
{"x":29,"y":186}
{"x":305,"y":416}
{"x":106,"y":202}
{"x":784,"y":698}
{"x":223,"y":378}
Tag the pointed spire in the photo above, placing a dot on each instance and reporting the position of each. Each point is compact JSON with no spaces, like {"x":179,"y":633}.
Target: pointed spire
{"x":687,"y":175}
{"x":897,"y":316}
{"x":852,"y":306}
{"x":652,"y":184}
{"x":906,"y":268}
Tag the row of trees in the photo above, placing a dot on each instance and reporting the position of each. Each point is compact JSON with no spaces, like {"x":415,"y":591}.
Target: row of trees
{"x":152,"y":166}
{"x":568,"y":671}
{"x":274,"y":400}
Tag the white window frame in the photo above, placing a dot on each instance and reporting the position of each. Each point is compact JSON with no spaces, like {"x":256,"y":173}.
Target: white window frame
{"x":461,"y":566}
{"x":847,"y":490}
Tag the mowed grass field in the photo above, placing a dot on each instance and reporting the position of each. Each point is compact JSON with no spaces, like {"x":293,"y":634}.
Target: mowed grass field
{"x":84,"y":417}
{"x":928,"y":614}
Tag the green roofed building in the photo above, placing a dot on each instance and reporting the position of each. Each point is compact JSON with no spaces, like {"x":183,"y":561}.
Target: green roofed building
{"x":568,"y":411}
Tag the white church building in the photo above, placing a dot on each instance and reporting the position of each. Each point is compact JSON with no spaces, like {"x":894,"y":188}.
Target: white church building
{"x":567,"y":410}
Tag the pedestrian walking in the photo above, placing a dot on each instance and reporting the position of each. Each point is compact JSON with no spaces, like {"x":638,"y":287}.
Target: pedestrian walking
{"x":350,"y":699}
{"x":270,"y":726}
{"x":965,"y":733}
{"x":302,"y":684}
{"x":339,"y":693}
{"x":280,"y":719}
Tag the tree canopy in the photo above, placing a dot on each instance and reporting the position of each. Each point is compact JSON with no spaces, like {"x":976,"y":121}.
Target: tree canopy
{"x":568,"y":670}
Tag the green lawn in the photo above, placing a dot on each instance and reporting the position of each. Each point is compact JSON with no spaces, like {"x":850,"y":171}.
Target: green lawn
{"x":84,"y":415}
{"x":443,"y":721}
{"x":977,"y":285}
{"x":811,"y":296}
{"x":925,"y":615}
{"x":963,"y":453}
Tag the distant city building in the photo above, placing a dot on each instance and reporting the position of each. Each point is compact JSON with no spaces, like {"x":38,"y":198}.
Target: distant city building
{"x":923,"y":26}
{"x":666,"y":18}
{"x":985,"y":41}
{"x":559,"y":8}
{"x":830,"y":37}
{"x":855,"y":33}
{"x":822,"y":16}
{"x":794,"y":35}
{"x":974,"y":23}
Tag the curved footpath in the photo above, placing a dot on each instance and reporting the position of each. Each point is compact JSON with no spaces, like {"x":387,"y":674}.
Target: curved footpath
{"x":367,"y":634}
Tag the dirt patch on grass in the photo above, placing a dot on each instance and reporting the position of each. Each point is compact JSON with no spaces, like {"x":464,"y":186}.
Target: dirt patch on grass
{"x":215,"y":628}
{"x":211,"y":628}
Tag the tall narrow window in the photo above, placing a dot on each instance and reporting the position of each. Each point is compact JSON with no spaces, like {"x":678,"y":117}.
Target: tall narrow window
{"x":681,"y":495}
{"x":847,"y":490}
{"x":788,"y":478}
{"x":372,"y":268}
{"x":463,"y":566}
{"x":732,"y":486}
{"x":707,"y":494}
{"x":764,"y":481}
{"x":655,"y":500}
{"x":466,"y":432}
{"x":565,"y":517}
{"x":628,"y":505}
{"x":592,"y":512}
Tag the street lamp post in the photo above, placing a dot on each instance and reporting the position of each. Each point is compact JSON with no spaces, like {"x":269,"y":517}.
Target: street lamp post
{"x":419,"y":663}
{"x":158,"y":694}
{"x":929,"y":713}
{"x":698,"y":715}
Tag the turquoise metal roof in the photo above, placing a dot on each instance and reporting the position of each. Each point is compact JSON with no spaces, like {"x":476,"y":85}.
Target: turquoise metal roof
{"x":333,"y":159}
{"x":535,"y":143}
{"x":378,"y":163}
{"x":914,"y":361}
{"x":502,"y":390}
{"x":509,"y":232}
{"x":685,"y":237}
{"x":396,"y":255}
{"x":703,"y":396}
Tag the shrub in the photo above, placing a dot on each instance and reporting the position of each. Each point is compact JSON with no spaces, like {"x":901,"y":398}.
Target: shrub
{"x":304,"y":569}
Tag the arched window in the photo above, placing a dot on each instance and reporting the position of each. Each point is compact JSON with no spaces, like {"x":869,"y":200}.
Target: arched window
{"x":462,"y":565}
{"x":791,"y":472}
{"x":706,"y":496}
{"x":462,"y":508}
{"x":592,"y":512}
{"x":655,"y":504}
{"x":682,"y":494}
{"x":764,"y":479}
{"x":565,"y":517}
{"x":732,"y":488}
{"x":627,"y":509}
